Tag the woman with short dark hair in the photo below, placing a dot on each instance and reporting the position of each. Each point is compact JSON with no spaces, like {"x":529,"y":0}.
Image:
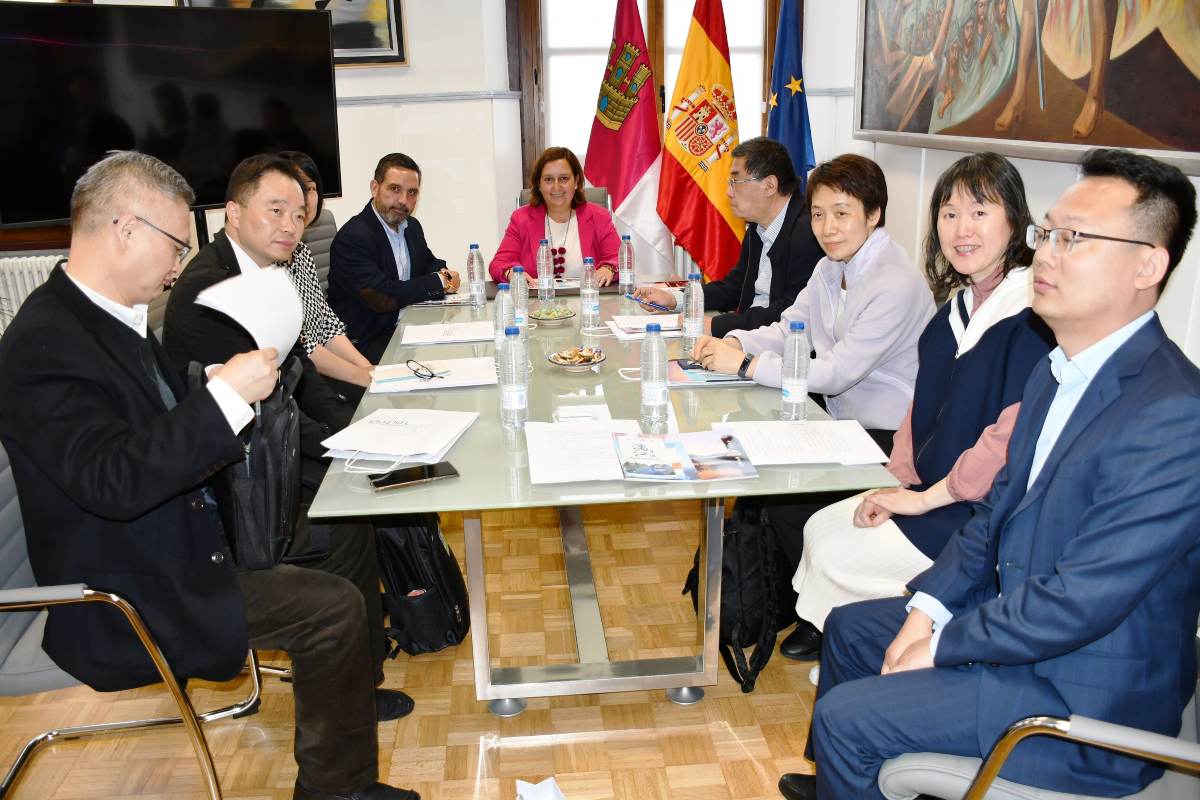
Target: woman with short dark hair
{"x":559,"y":213}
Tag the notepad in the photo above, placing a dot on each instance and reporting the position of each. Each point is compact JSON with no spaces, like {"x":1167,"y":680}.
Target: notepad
{"x":449,"y":333}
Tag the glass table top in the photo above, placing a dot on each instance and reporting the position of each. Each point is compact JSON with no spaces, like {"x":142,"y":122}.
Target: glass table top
{"x":493,"y":462}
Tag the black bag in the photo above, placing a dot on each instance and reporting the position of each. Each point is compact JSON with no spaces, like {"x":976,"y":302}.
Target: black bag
{"x":754,"y":604}
{"x":258,"y":497}
{"x":424,"y":592}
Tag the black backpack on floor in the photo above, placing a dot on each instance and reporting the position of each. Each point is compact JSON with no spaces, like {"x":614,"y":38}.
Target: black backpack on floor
{"x":755,"y":603}
{"x":424,"y":592}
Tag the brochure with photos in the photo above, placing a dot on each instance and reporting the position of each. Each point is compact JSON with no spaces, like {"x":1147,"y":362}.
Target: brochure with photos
{"x":699,"y":456}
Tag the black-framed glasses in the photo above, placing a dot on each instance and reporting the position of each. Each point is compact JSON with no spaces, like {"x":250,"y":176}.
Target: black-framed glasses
{"x":182,"y":248}
{"x":1063,"y":239}
{"x":422,"y":371}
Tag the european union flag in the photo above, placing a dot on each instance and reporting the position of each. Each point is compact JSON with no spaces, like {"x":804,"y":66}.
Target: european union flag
{"x":787,"y":113}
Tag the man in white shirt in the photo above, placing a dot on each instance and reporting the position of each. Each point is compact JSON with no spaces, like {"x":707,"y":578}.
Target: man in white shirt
{"x":1075,"y":588}
{"x":110,"y":453}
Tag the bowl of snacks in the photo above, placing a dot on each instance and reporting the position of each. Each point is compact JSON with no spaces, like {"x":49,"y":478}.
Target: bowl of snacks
{"x":577,"y":359}
{"x":552,"y":316}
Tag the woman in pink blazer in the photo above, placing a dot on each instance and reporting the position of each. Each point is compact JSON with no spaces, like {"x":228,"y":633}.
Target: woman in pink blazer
{"x":558,"y":212}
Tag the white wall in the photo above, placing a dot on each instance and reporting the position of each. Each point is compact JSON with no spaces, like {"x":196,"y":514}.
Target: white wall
{"x":829,"y":52}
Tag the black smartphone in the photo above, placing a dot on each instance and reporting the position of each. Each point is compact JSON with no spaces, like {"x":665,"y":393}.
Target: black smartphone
{"x":407,"y":476}
{"x":687,"y":363}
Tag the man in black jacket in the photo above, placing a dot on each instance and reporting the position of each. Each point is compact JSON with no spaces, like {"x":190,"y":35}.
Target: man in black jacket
{"x":778,"y":252}
{"x":110,"y":452}
{"x":264,"y":216}
{"x":379,"y":261}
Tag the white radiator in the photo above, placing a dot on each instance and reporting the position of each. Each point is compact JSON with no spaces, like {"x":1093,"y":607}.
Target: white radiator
{"x":19,"y":277}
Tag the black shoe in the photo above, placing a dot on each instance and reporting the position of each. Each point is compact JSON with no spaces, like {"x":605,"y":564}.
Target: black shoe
{"x":376,"y":791}
{"x":795,"y":786}
{"x":803,"y":643}
{"x":392,"y":704}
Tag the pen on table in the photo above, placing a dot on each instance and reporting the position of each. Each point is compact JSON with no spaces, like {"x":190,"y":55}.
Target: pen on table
{"x":648,"y":304}
{"x":411,"y":377}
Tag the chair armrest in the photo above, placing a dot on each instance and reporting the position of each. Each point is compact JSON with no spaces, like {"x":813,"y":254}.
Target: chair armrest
{"x":40,"y":595}
{"x":1132,"y":740}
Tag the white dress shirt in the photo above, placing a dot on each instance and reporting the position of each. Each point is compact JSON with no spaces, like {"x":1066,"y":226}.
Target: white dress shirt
{"x":768,"y":235}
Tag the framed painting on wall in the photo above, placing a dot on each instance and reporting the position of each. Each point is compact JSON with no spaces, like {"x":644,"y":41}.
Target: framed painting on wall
{"x":1044,"y":79}
{"x":365,"y":32}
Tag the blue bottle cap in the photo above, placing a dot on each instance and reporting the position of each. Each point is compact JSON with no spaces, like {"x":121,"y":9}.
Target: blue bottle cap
{"x":625,"y":237}
{"x":512,"y":330}
{"x":588,"y":260}
{"x":474,"y":247}
{"x":502,"y":287}
{"x":519,"y":268}
{"x":653,"y":327}
{"x":694,"y":276}
{"x":796,"y":326}
{"x":543,"y":241}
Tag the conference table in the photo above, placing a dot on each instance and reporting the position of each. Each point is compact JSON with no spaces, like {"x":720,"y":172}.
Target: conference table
{"x":493,"y":465}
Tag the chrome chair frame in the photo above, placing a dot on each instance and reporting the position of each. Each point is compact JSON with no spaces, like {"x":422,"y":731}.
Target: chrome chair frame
{"x":1084,"y":730}
{"x":38,"y":597}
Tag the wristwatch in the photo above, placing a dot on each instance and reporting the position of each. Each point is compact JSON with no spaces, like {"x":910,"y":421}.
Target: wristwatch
{"x":747,"y":360}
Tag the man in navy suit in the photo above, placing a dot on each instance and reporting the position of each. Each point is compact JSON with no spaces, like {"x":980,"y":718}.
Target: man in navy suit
{"x":379,"y":261}
{"x":1075,"y":587}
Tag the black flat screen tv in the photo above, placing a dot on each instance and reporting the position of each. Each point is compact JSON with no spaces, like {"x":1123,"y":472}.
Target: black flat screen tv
{"x":199,"y":88}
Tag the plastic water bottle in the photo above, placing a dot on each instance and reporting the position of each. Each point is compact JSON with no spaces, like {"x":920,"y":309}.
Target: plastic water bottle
{"x":625,"y":268}
{"x":654,"y":375}
{"x":545,"y":270}
{"x":589,"y":296}
{"x":475,"y":277}
{"x":793,"y":401}
{"x":503,"y":319}
{"x":693,"y":313}
{"x":514,"y":380}
{"x":520,"y":296}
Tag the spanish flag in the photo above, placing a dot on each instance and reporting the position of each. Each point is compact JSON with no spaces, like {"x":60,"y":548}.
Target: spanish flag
{"x":701,"y":130}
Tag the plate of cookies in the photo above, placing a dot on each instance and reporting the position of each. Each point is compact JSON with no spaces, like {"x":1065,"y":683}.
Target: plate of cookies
{"x":577,"y":359}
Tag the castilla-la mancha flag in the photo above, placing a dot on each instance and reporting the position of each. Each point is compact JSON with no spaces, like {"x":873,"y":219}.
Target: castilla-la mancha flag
{"x":625,"y":148}
{"x":701,"y":130}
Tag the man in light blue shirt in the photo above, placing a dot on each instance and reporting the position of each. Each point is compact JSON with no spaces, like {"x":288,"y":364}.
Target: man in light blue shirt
{"x":1075,"y":588}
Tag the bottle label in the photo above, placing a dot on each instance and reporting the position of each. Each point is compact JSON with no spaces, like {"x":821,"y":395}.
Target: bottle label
{"x":519,"y":318}
{"x":795,"y":391}
{"x":627,"y":275}
{"x":513,"y":398}
{"x":654,"y":393}
{"x":693,"y":328}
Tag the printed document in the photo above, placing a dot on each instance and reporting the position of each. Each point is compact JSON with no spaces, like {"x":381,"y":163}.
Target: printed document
{"x":447,"y":374}
{"x":449,"y":333}
{"x":635,"y":323}
{"x":265,"y":303}
{"x":570,"y":452}
{"x":413,"y":434}
{"x":637,"y":336}
{"x":811,"y":442}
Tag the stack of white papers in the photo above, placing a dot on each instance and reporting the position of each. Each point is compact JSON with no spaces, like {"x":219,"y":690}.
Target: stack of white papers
{"x":449,"y":332}
{"x":449,"y":373}
{"x":265,"y":303}
{"x":637,"y":335}
{"x":570,"y":452}
{"x":416,"y":435}
{"x":448,"y":300}
{"x":635,"y":323}
{"x":815,"y":442}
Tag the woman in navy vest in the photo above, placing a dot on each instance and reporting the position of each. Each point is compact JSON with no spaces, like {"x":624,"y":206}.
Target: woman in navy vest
{"x":975,"y":356}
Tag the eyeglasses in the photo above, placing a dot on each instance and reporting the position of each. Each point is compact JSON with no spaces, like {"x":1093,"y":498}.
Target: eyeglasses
{"x":182,"y":248}
{"x":421,"y":371}
{"x":732,"y":182}
{"x":1063,"y":239}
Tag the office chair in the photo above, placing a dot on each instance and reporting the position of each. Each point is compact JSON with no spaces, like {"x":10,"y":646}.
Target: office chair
{"x":953,"y":777}
{"x":593,"y":194}
{"x":26,"y":669}
{"x":319,"y":238}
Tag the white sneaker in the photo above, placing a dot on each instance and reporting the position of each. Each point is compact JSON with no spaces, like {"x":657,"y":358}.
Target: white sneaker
{"x":814,"y":675}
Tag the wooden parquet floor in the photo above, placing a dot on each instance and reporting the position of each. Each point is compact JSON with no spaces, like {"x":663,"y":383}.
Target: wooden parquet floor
{"x":632,"y":745}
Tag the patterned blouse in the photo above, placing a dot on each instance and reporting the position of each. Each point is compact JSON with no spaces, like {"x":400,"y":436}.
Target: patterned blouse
{"x":320,"y":322}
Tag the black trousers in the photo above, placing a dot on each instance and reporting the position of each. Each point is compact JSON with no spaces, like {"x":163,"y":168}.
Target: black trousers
{"x":789,"y":512}
{"x":321,"y":614}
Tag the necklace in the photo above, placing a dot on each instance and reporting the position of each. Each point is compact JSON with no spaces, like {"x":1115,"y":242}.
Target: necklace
{"x":559,"y":252}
